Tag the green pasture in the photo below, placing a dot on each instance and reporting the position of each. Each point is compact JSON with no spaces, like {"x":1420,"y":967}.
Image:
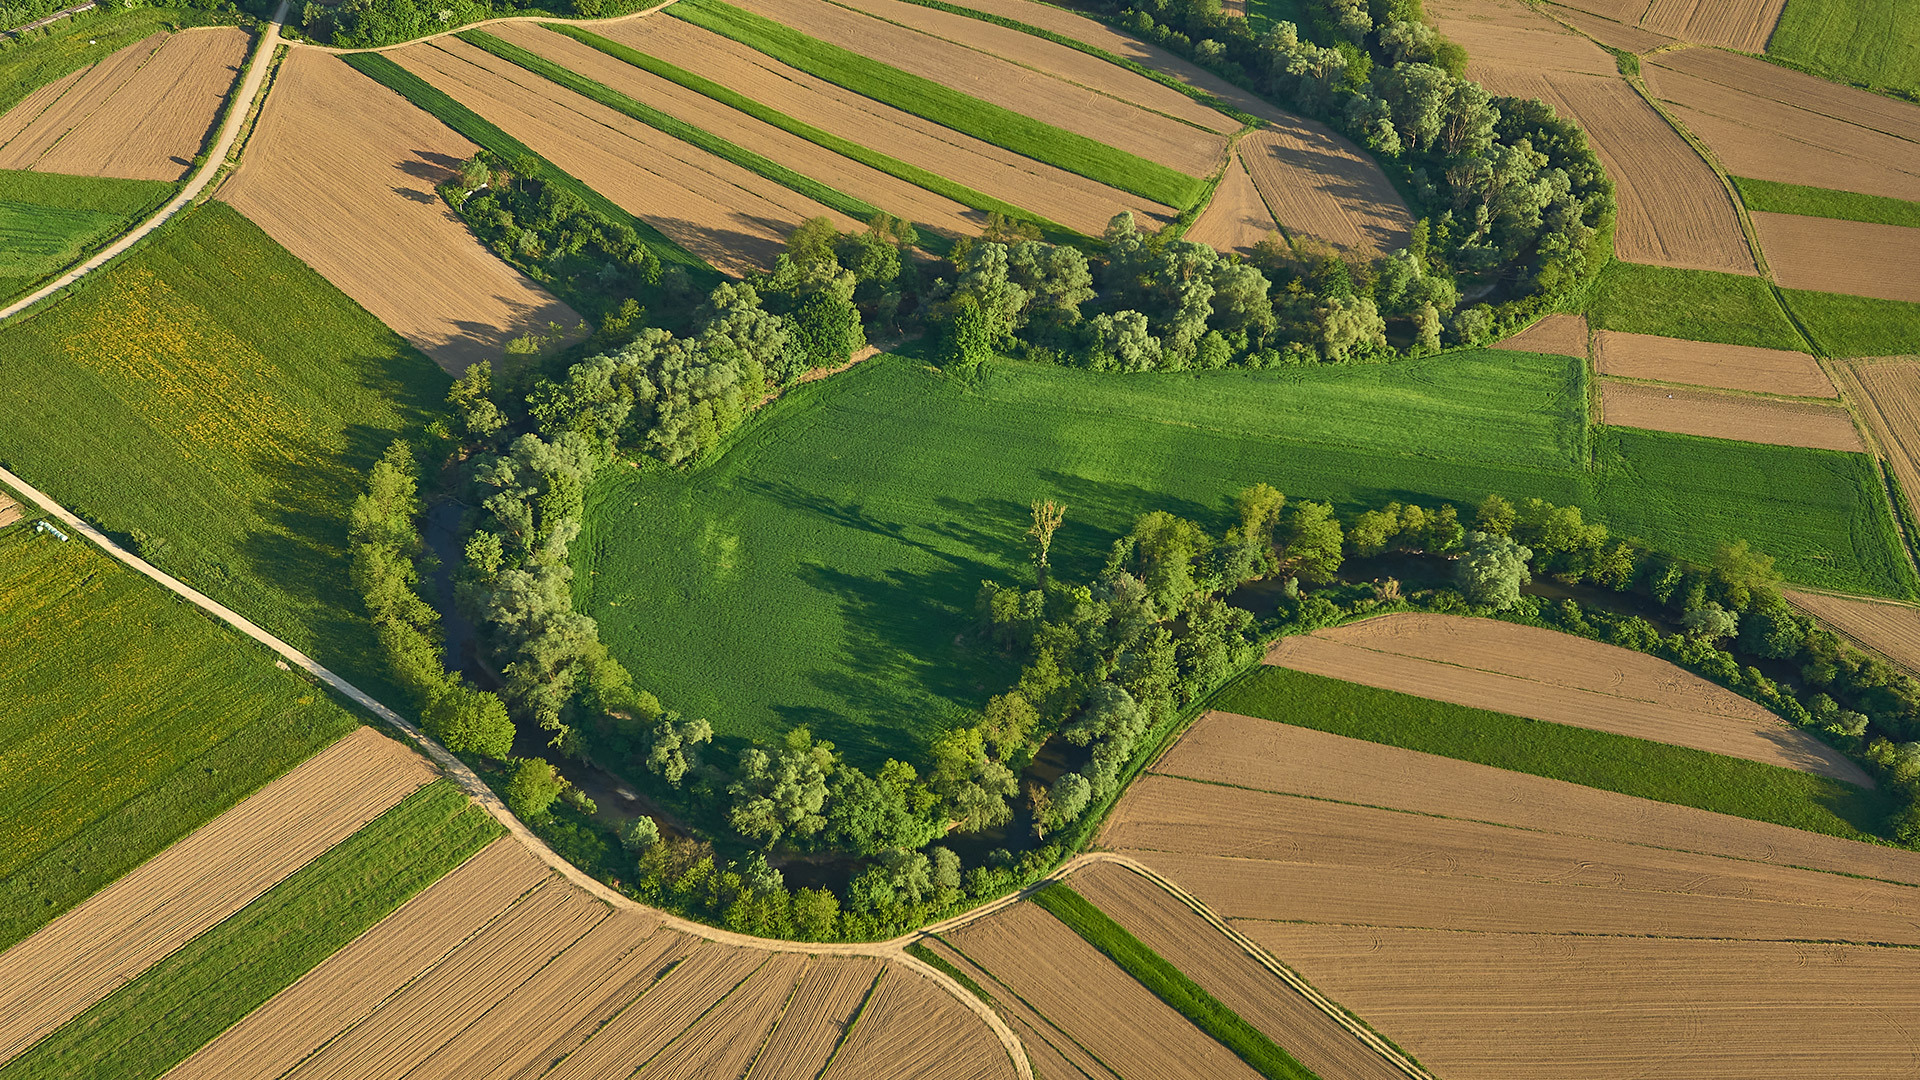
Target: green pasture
{"x":154,"y":1022}
{"x":1595,"y":759}
{"x":216,"y":402}
{"x":1857,"y":325}
{"x":1775,"y":197}
{"x":48,"y":221}
{"x":1699,"y":305}
{"x":1869,"y":42}
{"x":823,"y":569}
{"x":945,"y":106}
{"x":126,"y":721}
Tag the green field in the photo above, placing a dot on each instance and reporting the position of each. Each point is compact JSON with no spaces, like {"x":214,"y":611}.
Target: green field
{"x":823,"y":570}
{"x":154,"y":1022}
{"x":217,"y":401}
{"x":126,"y":720}
{"x":1595,"y":759}
{"x":48,"y":222}
{"x":1767,"y":195}
{"x":1857,"y":325}
{"x":1870,"y":42}
{"x":1699,"y":305}
{"x":945,"y":106}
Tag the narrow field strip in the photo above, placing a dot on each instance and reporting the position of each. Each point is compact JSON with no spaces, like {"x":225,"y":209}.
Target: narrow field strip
{"x":1703,"y":363}
{"x":1715,"y":415}
{"x":1774,"y":197}
{"x":1886,"y":394}
{"x":150,"y":1024}
{"x":664,"y":1010}
{"x":912,"y":1029}
{"x":945,"y":106}
{"x":1892,"y":630}
{"x":85,"y":954}
{"x":725,"y":1040}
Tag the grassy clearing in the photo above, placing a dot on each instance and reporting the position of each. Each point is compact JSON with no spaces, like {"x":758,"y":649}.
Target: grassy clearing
{"x":80,"y":40}
{"x":129,"y":721}
{"x":1857,"y":325}
{"x":945,"y":106}
{"x":48,"y":221}
{"x":823,"y":570}
{"x":218,"y":402}
{"x":154,"y":1022}
{"x":1170,"y":984}
{"x":1869,"y":42}
{"x":481,"y":132}
{"x":1699,"y":305}
{"x":847,"y":148}
{"x":1768,"y":195}
{"x":1595,"y":759}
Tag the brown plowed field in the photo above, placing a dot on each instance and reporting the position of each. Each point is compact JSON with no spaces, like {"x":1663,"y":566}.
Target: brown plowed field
{"x":1224,"y":970}
{"x":434,"y":1008}
{"x":815,"y":1020}
{"x":354,"y":981}
{"x":911,"y":1029}
{"x":1259,"y":754}
{"x":658,"y":1016}
{"x":82,"y":98}
{"x":1828,"y":255}
{"x":1734,"y":24}
{"x":341,"y":172}
{"x":1892,"y":630}
{"x":731,"y":217}
{"x":1097,"y":1004}
{"x":1887,"y":395}
{"x":1519,"y":1007}
{"x":1705,"y":363}
{"x":1546,"y":675}
{"x":895,"y":196}
{"x":1728,"y":416}
{"x":1769,"y":123}
{"x":725,"y":1041}
{"x":152,"y":128}
{"x":1323,"y":186}
{"x":1041,"y":1039}
{"x":1673,"y":209}
{"x":1191,"y":150}
{"x":1609,"y":32}
{"x":1508,"y":32}
{"x":125,"y":928}
{"x":1055,"y":194}
{"x":1559,"y":335}
{"x":1236,"y":219}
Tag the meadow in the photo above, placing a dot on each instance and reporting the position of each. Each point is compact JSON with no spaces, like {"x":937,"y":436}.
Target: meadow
{"x":1699,"y":305}
{"x":1595,"y":759}
{"x":216,"y":403}
{"x":1769,"y":195}
{"x":49,"y":222}
{"x":823,"y":569}
{"x":1857,"y":325}
{"x":1873,"y":43}
{"x":130,"y":720}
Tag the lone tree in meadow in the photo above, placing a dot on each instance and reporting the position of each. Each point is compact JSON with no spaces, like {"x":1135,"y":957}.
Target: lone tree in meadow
{"x":1047,"y":516}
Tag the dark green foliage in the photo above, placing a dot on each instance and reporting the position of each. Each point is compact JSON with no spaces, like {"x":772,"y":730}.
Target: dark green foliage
{"x":1873,"y":43}
{"x":1170,"y":984}
{"x":1698,"y":305}
{"x":152,"y":1023}
{"x":364,"y":24}
{"x":1596,"y":759}
{"x":49,"y":222}
{"x":533,"y":789}
{"x":1857,"y":325}
{"x":1767,"y":195}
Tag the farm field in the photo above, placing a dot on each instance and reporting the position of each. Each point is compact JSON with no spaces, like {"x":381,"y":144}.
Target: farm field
{"x":1892,"y":630}
{"x":1732,"y":24}
{"x":1873,"y":42}
{"x":1545,"y":675}
{"x":1561,"y":335}
{"x":910,"y":1029}
{"x":49,"y":222}
{"x":371,"y":222}
{"x":1701,"y":363}
{"x":65,"y":50}
{"x":1887,"y":397}
{"x":1854,"y":257}
{"x":1717,"y":415}
{"x":1731,"y":309}
{"x":1781,"y":198}
{"x":1857,"y":325}
{"x":1503,"y":34}
{"x":1617,"y":32}
{"x":1237,"y":218}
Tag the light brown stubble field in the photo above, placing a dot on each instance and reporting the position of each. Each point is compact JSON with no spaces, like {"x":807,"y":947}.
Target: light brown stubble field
{"x":61,"y":114}
{"x":1892,"y":630}
{"x":1887,"y":395}
{"x":1051,"y":1049}
{"x":1734,"y":24}
{"x":1510,"y":33}
{"x":1322,"y":186}
{"x":341,"y":172}
{"x":1609,"y":32}
{"x":1705,"y":363}
{"x":911,"y":1029}
{"x":725,"y":1041}
{"x":155,"y":125}
{"x":666,"y":1008}
{"x":1860,"y":258}
{"x":1546,"y":675}
{"x":1717,"y":415}
{"x":1557,"y":335}
{"x":1236,"y":219}
{"x":811,"y":1027}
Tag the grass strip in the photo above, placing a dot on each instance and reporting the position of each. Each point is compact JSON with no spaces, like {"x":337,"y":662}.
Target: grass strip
{"x":920,"y":952}
{"x":1170,"y":984}
{"x":481,"y":132}
{"x":1596,"y":759}
{"x":943,"y":105}
{"x":1698,"y":305}
{"x":154,"y":1022}
{"x":1857,"y":325}
{"x":846,"y":148}
{"x":1772,"y":197}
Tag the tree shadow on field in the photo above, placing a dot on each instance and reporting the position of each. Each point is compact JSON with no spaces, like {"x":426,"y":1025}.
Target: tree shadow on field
{"x":1100,"y":511}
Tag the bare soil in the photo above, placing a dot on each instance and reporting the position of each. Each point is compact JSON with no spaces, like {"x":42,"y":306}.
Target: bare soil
{"x":29,"y":108}
{"x":83,"y":97}
{"x":128,"y":926}
{"x":1892,"y":630}
{"x":1508,"y":32}
{"x":1236,"y":219}
{"x":1829,"y":255}
{"x":1732,"y":24}
{"x":658,"y":1016}
{"x":1546,"y":675}
{"x":157,"y":121}
{"x":10,"y":512}
{"x":341,"y":172}
{"x":1887,"y":395}
{"x":818,"y":1016}
{"x":912,"y":1029}
{"x":1051,"y":1050}
{"x":725,"y":1041}
{"x":1705,"y":363}
{"x":1609,"y":32}
{"x":1323,"y":186}
{"x":1558,"y":335}
{"x":1729,"y":416}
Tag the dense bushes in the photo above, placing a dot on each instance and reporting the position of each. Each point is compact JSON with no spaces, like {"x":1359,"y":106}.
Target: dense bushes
{"x":362,"y":24}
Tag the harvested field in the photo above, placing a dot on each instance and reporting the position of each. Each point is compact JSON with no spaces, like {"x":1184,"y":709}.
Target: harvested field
{"x":1043,"y":1042}
{"x":1224,"y":970}
{"x":10,"y":511}
{"x":1546,"y":675}
{"x":1098,"y":1005}
{"x":1673,"y":209}
{"x":29,"y":108}
{"x":355,"y":980}
{"x":726,"y":1040}
{"x":1770,"y":123}
{"x":370,"y":221}
{"x":735,"y":219}
{"x":1892,"y":630}
{"x":1609,"y":32}
{"x":1733,"y":24}
{"x":1510,"y":33}
{"x":896,"y":196}
{"x":1702,"y":363}
{"x":1524,"y":1006}
{"x":1859,"y":258}
{"x":1321,"y":185}
{"x":152,"y":128}
{"x":1236,"y":219}
{"x":822,"y":1009}
{"x":121,"y":931}
{"x":911,"y":1029}
{"x":666,"y":1008}
{"x":1052,"y":193}
{"x":1729,"y":416}
{"x":1887,"y":395}
{"x":1035,"y":93}
{"x":83,"y":97}
{"x":1558,"y":335}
